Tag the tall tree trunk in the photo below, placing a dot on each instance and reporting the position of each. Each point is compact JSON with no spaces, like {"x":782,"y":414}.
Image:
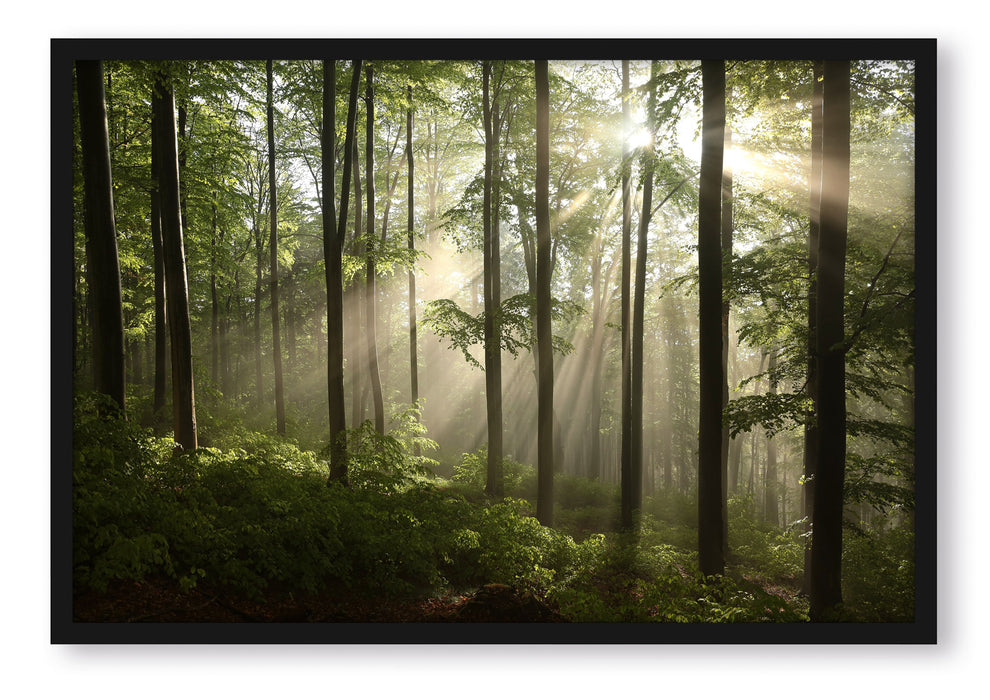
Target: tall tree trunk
{"x":771,"y":512}
{"x":333,"y":244}
{"x":493,"y":353}
{"x":158,"y":257}
{"x":826,"y":547}
{"x":273,"y":258}
{"x":726,"y":269}
{"x":710,"y":545}
{"x":410,"y":226}
{"x":626,"y":468}
{"x":639,"y":302}
{"x":814,"y":227}
{"x":101,"y":233}
{"x":356,"y":293}
{"x":177,"y":287}
{"x":597,"y":347}
{"x":214,"y":301}
{"x":371,"y":293}
{"x":259,"y":261}
{"x":545,"y":467}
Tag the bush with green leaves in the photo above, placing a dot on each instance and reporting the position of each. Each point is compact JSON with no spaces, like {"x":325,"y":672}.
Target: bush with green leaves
{"x":261,"y":514}
{"x":878,"y":573}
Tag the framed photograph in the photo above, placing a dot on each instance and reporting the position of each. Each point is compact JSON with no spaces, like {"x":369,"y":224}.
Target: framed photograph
{"x":493,"y":341}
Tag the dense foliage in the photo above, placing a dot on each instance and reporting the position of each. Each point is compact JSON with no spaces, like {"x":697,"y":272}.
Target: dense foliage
{"x":256,"y":516}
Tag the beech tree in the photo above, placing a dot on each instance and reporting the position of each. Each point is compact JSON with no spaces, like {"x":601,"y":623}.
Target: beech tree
{"x":370,"y":292}
{"x":492,"y":289}
{"x":334,"y":277}
{"x":176,"y":280}
{"x":626,"y":388}
{"x":710,"y":531}
{"x":545,"y":466}
{"x":826,"y":543}
{"x":814,"y":229}
{"x":273,"y":257}
{"x":410,"y":227}
{"x":101,"y":233}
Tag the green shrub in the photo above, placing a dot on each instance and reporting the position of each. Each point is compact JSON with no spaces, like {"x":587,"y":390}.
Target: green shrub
{"x":878,"y":574}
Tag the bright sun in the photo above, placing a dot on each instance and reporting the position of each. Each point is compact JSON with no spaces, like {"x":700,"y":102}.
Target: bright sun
{"x":639,"y":138}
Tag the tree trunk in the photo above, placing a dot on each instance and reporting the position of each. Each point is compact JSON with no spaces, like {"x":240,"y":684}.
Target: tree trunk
{"x":157,"y":246}
{"x":597,"y":347}
{"x":333,"y":244}
{"x":214,"y":301}
{"x":545,"y":467}
{"x":710,"y":530}
{"x":726,"y":269}
{"x":356,"y":292}
{"x":410,"y":225}
{"x":493,"y":354}
{"x":826,"y":552}
{"x":273,"y":257}
{"x":814,"y":227}
{"x":371,"y":293}
{"x":177,"y":288}
{"x":626,"y":468}
{"x":101,"y":233}
{"x":771,"y":512}
{"x":639,"y":302}
{"x":259,"y":259}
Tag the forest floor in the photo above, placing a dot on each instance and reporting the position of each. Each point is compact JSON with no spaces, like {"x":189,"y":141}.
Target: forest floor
{"x":163,"y":600}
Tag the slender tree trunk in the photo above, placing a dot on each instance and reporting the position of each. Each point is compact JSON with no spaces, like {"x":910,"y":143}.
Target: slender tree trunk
{"x":545,"y":467}
{"x":726,"y":271}
{"x":371,"y":293}
{"x":814,"y":227}
{"x":273,"y":258}
{"x":333,"y":251}
{"x":710,"y":530}
{"x":626,"y":469}
{"x":356,"y":293}
{"x":259,"y":261}
{"x":177,"y":287}
{"x":770,"y":506}
{"x":639,"y":303}
{"x":410,"y":226}
{"x":157,"y":246}
{"x":493,"y":354}
{"x":214,"y":301}
{"x":101,"y":233}
{"x":597,"y":347}
{"x":826,"y":552}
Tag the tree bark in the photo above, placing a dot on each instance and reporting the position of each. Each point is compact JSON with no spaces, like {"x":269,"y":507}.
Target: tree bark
{"x":214,"y":301}
{"x":410,"y":226}
{"x":176,"y":281}
{"x":771,"y":511}
{"x":101,"y":234}
{"x":273,"y":258}
{"x":371,"y":293}
{"x":493,"y":354}
{"x":625,"y":471}
{"x":158,"y":257}
{"x":814,"y":227}
{"x":710,"y":544}
{"x":639,"y":302}
{"x":545,"y":467}
{"x":826,"y":547}
{"x":726,"y":268}
{"x":333,"y":250}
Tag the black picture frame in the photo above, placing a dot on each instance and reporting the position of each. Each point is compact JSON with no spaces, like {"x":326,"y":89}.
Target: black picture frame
{"x":65,"y":631}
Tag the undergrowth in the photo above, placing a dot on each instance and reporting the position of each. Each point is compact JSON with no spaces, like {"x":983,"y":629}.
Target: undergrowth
{"x":251,"y":512}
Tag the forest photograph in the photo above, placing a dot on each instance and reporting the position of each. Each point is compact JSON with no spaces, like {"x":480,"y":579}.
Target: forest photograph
{"x":565,"y":333}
